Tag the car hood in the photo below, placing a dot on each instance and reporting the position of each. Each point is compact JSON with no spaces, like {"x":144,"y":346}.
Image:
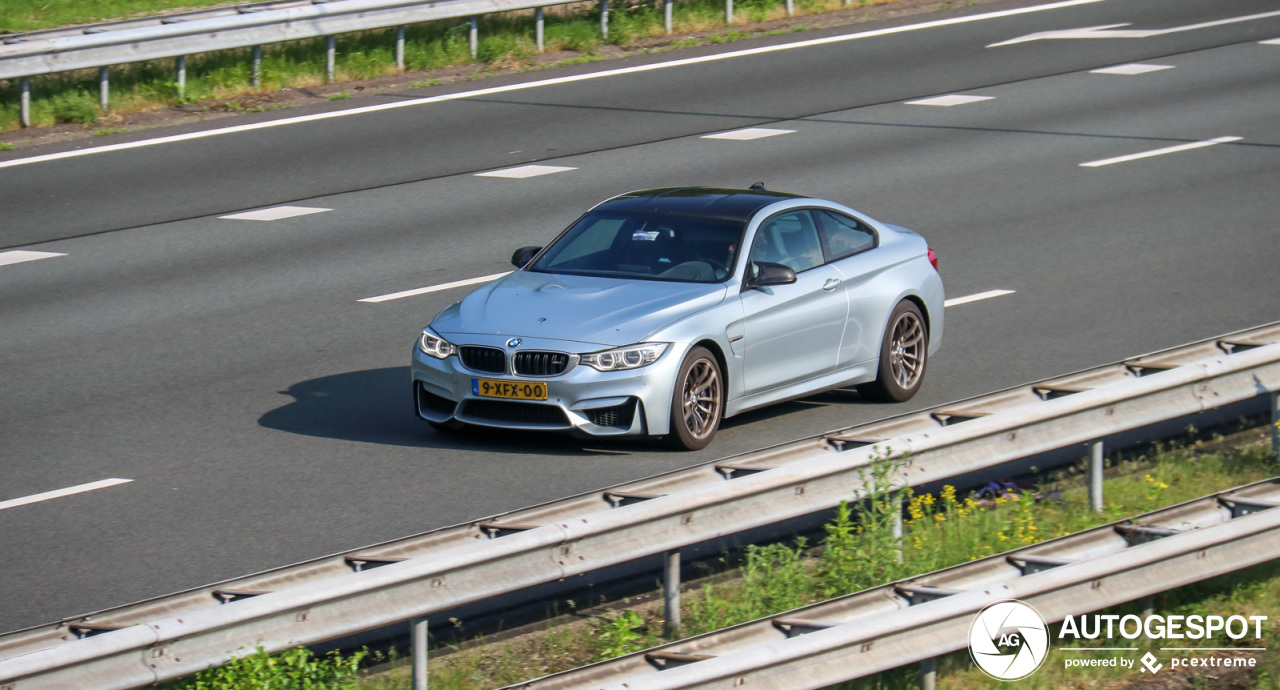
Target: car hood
{"x":601,"y":311}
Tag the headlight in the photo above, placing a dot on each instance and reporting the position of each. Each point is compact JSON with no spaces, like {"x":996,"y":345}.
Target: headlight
{"x":629,"y":357}
{"x":435,"y":346}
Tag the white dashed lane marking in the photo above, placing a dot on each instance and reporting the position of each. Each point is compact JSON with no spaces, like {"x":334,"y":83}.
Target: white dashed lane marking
{"x":749,"y":134}
{"x":948,"y":101}
{"x":957,"y":301}
{"x":524,"y":171}
{"x":1160,"y":152}
{"x":1129,"y":70}
{"x":555,"y":81}
{"x":36,"y":498}
{"x":18,"y":256}
{"x":485,"y":279}
{"x":1272,"y":42}
{"x":433,"y":288}
{"x":277,"y":213}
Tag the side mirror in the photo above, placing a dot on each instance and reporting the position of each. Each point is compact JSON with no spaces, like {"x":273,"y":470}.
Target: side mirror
{"x":523,"y":255}
{"x":763,"y":273}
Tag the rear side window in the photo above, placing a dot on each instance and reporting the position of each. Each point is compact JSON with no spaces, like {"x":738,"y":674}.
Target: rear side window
{"x":844,"y":236}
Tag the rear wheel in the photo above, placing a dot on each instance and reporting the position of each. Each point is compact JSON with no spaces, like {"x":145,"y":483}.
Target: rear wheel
{"x":697,"y":403}
{"x":903,"y":353}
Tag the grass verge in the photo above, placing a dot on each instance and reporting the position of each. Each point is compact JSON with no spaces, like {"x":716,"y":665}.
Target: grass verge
{"x":506,"y":43}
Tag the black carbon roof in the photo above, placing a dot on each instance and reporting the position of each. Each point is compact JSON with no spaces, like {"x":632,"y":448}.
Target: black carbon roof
{"x":710,"y":202}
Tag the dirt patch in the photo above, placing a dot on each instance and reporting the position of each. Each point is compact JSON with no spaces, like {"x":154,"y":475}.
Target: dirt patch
{"x":426,"y":81}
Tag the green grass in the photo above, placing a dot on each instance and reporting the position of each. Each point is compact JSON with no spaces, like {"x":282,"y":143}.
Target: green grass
{"x":294,"y":669}
{"x":506,"y":42}
{"x":30,"y":15}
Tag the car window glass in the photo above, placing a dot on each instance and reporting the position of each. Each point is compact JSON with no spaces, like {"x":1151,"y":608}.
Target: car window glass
{"x":845,"y":236}
{"x":597,"y":235}
{"x":646,"y":246}
{"x":789,"y":239}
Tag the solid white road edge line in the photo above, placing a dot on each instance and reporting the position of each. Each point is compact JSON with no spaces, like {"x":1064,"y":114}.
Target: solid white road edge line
{"x":36,"y":498}
{"x":434,"y":288}
{"x":546,"y":82}
{"x":975,"y":298}
{"x":1160,"y":152}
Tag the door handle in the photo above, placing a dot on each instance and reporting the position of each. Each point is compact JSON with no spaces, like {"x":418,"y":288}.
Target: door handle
{"x":831,"y":284}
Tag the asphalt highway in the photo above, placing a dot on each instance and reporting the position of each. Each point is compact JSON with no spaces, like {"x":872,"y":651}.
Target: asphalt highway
{"x":228,"y":368}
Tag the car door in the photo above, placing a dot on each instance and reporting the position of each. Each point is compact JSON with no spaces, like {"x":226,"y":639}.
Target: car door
{"x":792,"y":332}
{"x":849,"y":246}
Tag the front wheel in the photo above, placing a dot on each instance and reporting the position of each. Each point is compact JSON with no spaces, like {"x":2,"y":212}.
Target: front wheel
{"x":903,"y":353}
{"x":697,"y":403}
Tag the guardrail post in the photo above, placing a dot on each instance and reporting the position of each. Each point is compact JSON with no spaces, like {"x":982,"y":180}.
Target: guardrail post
{"x":1095,"y":477}
{"x":671,"y":593}
{"x":418,"y":630}
{"x":330,"y":57}
{"x":182,"y":76}
{"x":400,"y":48}
{"x":474,"y":36}
{"x":257,"y":67}
{"x":929,"y":673}
{"x":24,"y":99}
{"x":791,"y":8}
{"x":538,"y":27}
{"x":604,"y":18}
{"x":104,"y":88}
{"x":666,"y":14}
{"x":728,"y":12}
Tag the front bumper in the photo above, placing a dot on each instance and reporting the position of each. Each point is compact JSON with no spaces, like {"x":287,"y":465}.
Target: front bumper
{"x":581,"y":400}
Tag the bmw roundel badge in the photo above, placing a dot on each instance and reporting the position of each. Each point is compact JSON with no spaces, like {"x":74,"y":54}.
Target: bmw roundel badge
{"x":514,"y":342}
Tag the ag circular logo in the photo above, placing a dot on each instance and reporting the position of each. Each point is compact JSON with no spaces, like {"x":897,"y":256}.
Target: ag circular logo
{"x":1008,"y":640}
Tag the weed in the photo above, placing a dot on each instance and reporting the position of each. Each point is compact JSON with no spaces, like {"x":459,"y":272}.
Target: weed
{"x":619,"y":636}
{"x":6,"y":146}
{"x":295,"y":668}
{"x":340,"y":96}
{"x":75,"y":107}
{"x":109,"y":130}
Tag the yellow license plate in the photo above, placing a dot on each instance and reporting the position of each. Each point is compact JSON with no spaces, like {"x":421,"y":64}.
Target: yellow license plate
{"x":512,"y":390}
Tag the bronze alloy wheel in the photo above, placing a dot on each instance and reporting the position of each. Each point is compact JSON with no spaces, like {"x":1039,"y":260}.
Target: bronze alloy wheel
{"x":906,"y":350}
{"x":903,"y":354}
{"x":698,"y":401}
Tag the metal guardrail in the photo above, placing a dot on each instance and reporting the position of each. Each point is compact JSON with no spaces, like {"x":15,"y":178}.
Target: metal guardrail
{"x":920,"y":618}
{"x":410,"y":578}
{"x":23,"y":56}
{"x":95,"y":46}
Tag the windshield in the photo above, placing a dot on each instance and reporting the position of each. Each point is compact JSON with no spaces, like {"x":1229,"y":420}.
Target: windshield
{"x":647,"y":246}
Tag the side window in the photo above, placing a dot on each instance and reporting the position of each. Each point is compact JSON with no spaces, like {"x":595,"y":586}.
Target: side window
{"x":844,"y":235}
{"x":790,"y":239}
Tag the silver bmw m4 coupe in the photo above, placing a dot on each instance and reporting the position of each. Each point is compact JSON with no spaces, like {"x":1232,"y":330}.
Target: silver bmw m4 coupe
{"x":661,"y":312}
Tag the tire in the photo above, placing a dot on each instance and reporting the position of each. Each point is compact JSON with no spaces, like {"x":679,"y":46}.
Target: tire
{"x":697,"y":401}
{"x":904,"y":352}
